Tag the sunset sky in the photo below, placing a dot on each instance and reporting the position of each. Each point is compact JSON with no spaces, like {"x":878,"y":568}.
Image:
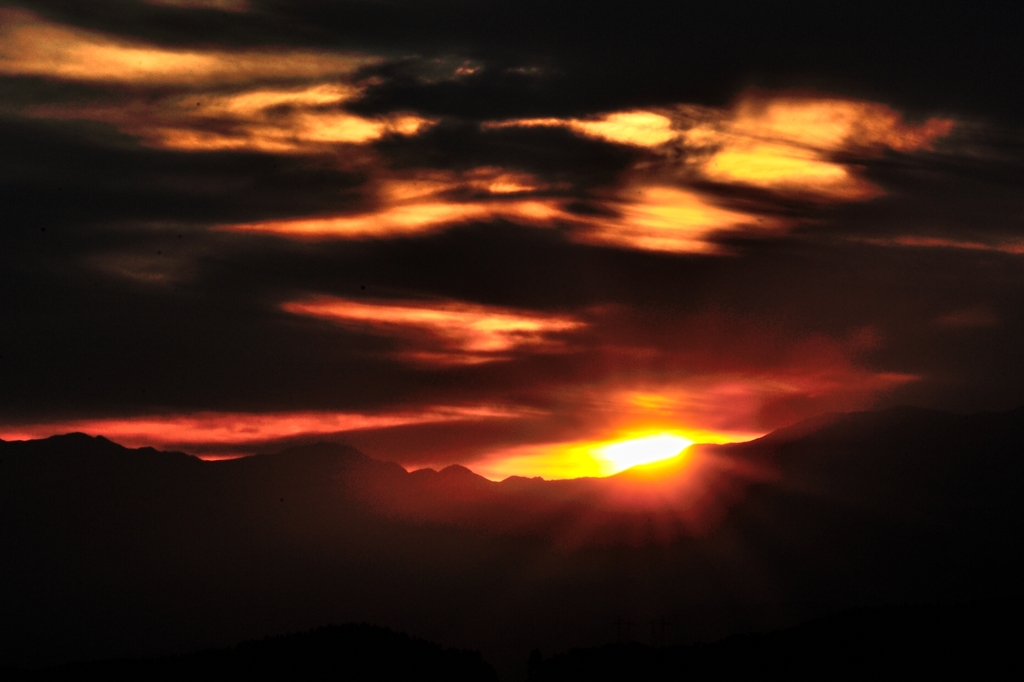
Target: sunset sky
{"x":510,"y":235}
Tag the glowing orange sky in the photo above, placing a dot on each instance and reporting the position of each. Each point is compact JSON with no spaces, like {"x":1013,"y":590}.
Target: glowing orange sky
{"x":199,"y":431}
{"x":566,"y":430}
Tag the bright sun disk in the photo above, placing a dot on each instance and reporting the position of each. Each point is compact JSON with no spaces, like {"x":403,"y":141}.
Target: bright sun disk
{"x":646,"y":450}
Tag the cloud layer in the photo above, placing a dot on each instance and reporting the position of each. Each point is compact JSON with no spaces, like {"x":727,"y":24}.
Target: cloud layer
{"x":293,"y":217}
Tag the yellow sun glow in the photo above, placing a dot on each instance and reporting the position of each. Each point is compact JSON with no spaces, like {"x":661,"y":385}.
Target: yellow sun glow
{"x":630,"y":453}
{"x":583,"y":459}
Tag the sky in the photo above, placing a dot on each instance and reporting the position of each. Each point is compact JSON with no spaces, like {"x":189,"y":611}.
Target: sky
{"x":510,"y":235}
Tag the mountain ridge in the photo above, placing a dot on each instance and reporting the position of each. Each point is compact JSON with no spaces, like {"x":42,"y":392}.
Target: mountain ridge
{"x":111,"y":552}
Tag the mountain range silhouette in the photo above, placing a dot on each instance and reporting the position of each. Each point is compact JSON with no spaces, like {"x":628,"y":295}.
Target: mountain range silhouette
{"x":114,"y":552}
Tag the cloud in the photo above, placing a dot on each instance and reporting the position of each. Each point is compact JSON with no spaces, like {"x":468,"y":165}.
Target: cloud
{"x":645,"y":217}
{"x":677,"y":195}
{"x":284,"y":118}
{"x":221,"y":434}
{"x":793,"y":146}
{"x":779,"y":142}
{"x":639,"y":128}
{"x":424,"y":201}
{"x":307,"y":119}
{"x":30,"y":46}
{"x":787,"y":143}
{"x":444,"y":332}
{"x":669,"y":219}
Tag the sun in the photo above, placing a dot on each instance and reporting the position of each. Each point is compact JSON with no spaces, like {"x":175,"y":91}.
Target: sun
{"x":624,"y":454}
{"x":583,"y":459}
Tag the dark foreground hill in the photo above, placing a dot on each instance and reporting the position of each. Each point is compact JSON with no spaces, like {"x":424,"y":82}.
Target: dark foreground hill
{"x":345,"y":652}
{"x":110,"y":552}
{"x":975,"y":641}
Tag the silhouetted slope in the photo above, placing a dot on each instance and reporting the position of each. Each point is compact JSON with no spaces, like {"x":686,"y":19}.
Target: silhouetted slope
{"x":111,"y":552}
{"x":903,"y":503}
{"x":976,"y":641}
{"x":346,"y":652}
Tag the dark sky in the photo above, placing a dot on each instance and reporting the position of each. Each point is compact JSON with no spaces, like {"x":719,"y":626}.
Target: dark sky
{"x":501,"y":233}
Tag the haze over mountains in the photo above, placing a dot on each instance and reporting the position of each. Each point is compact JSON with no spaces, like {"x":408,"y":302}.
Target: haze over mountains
{"x":115,"y":552}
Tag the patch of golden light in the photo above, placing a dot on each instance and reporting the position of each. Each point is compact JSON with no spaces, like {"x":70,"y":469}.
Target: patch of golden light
{"x":585,"y":459}
{"x":663,"y":218}
{"x":640,"y":128}
{"x":30,"y":46}
{"x":476,"y":332}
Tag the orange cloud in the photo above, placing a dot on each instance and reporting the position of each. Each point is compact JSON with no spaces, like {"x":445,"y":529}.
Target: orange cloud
{"x":416,"y":218}
{"x":646,"y":217}
{"x":283,"y":121}
{"x":295,"y":119}
{"x":786,"y":143}
{"x":832,"y":124}
{"x":30,"y":46}
{"x":665,"y":218}
{"x":445,"y":331}
{"x":783,"y":143}
{"x":426,"y":202}
{"x":211,"y":432}
{"x":640,"y":128}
